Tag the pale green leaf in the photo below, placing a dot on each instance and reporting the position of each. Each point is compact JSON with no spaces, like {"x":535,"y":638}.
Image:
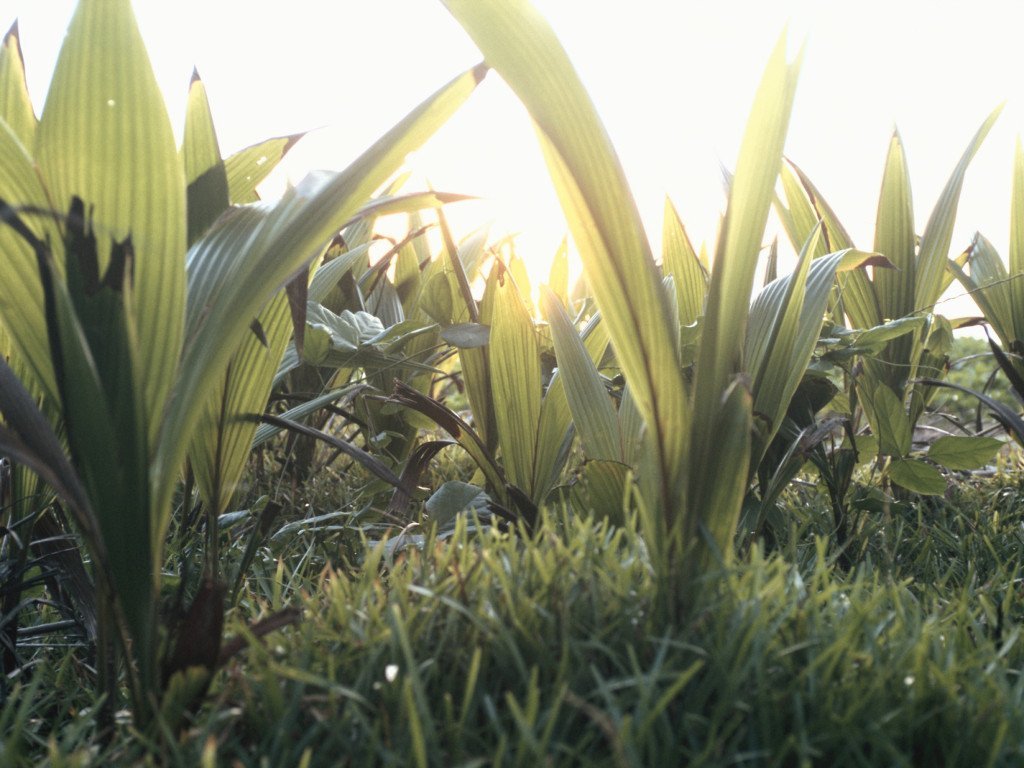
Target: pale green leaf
{"x":602,"y":215}
{"x":592,"y":410}
{"x":961,"y":452}
{"x":681,"y":261}
{"x":889,"y":420}
{"x":725,"y":485}
{"x":558,"y":275}
{"x":604,"y":483}
{"x":514,"y":359}
{"x":467,"y":335}
{"x":720,"y":354}
{"x":105,"y":136}
{"x":992,"y":289}
{"x":450,"y":499}
{"x":895,"y":239}
{"x":223,"y":437}
{"x":917,"y":476}
{"x":886,"y":332}
{"x":938,"y":233}
{"x":248,"y":167}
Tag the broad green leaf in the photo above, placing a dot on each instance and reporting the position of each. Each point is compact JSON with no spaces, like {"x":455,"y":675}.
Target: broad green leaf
{"x":521,"y":279}
{"x":799,"y":219}
{"x":893,"y":329}
{"x":450,"y":499}
{"x":409,"y":279}
{"x":740,"y":244}
{"x":514,"y":359}
{"x":602,"y":215}
{"x":958,"y":452}
{"x":593,"y":413}
{"x":889,"y":420}
{"x":807,"y":207}
{"x":15,"y":104}
{"x":938,"y":233}
{"x":894,"y":289}
{"x":437,"y":301}
{"x":917,"y":476}
{"x":467,"y":335}
{"x":856,"y":293}
{"x":105,"y":136}
{"x":330,"y":272}
{"x":632,"y":430}
{"x":770,"y":336}
{"x":867,"y":448}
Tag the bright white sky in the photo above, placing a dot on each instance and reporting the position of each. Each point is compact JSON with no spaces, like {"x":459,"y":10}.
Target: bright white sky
{"x":673,"y":81}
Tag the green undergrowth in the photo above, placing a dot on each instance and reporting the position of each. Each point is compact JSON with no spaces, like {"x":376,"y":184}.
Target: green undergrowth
{"x":506,"y":649}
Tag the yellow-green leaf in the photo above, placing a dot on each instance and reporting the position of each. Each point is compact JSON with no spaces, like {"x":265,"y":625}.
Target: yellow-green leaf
{"x":248,"y":167}
{"x":15,"y":104}
{"x":593,"y":413}
{"x":207,"y":190}
{"x":105,"y":136}
{"x":917,"y":476}
{"x":602,"y":215}
{"x":681,"y":261}
{"x":938,"y":233}
{"x":962,"y":452}
{"x":515,"y":381}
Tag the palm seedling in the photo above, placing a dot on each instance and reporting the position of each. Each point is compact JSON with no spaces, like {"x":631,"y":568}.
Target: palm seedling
{"x":699,"y":436}
{"x":898,"y":340}
{"x":129,"y":331}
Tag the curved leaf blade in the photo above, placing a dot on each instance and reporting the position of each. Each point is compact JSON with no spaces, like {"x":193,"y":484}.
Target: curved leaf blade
{"x":601,"y":213}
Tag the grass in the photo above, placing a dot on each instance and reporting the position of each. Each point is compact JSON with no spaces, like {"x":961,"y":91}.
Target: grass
{"x":503,"y":649}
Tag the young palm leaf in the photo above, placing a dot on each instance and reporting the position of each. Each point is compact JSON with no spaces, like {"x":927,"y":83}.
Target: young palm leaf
{"x":602,"y":215}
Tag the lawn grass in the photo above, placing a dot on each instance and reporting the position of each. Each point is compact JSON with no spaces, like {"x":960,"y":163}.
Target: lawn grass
{"x":505,"y":649}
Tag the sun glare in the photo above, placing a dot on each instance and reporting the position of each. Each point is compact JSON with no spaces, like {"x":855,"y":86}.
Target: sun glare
{"x":672,"y":82}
